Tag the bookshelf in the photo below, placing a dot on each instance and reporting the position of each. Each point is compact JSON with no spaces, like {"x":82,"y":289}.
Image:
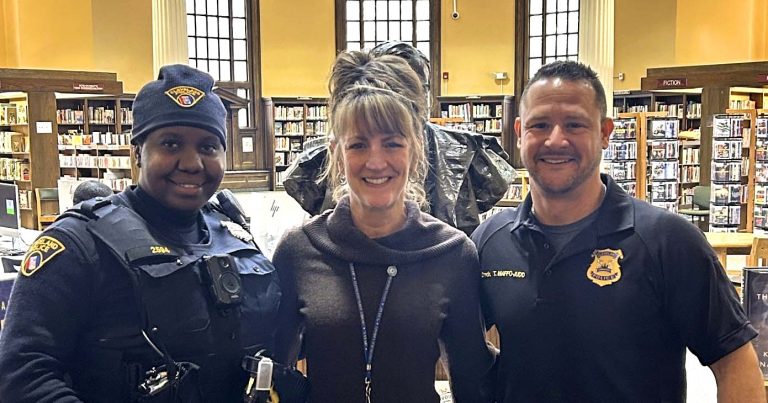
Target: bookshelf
{"x":481,"y":114}
{"x":93,"y":140}
{"x":292,"y":123}
{"x":620,"y":158}
{"x":663,"y":146}
{"x":760,"y":199}
{"x":733,"y":171}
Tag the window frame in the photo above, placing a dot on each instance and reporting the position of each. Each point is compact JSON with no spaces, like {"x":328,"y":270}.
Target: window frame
{"x":434,"y":45}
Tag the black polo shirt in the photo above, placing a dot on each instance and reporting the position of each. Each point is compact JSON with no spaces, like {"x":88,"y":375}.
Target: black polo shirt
{"x":608,"y":318}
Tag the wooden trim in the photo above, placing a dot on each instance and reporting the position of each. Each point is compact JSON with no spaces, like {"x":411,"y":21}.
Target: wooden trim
{"x":341,"y":24}
{"x":521,"y":72}
{"x":48,"y":84}
{"x":257,"y":159}
{"x":252,"y":180}
{"x":435,"y":55}
{"x":713,"y":68}
{"x":26,"y":74}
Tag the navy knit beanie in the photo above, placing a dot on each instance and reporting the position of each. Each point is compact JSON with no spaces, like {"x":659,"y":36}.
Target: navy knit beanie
{"x":181,"y":96}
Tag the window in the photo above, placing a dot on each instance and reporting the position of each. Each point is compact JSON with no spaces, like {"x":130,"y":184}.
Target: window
{"x":219,"y":42}
{"x":553,"y":32}
{"x":369,"y":22}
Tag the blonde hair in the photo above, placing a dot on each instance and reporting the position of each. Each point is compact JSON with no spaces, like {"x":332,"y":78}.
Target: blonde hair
{"x":376,"y":95}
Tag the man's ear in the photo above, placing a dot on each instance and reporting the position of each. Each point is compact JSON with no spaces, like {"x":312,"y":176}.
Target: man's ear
{"x":606,"y":128}
{"x":517,"y":130}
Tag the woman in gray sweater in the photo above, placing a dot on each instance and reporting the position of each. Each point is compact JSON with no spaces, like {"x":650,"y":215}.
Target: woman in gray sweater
{"x":375,"y":291}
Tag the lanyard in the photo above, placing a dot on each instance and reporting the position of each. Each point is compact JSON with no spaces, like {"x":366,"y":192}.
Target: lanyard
{"x":368,"y":350}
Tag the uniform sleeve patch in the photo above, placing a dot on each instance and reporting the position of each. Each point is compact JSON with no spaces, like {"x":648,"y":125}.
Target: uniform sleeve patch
{"x":40,"y":253}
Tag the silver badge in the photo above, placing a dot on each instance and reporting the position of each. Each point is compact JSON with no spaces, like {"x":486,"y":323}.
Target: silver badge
{"x":237,"y":231}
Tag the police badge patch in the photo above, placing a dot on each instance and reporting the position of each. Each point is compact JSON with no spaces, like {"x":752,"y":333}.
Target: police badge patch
{"x":42,"y":251}
{"x":185,"y":96}
{"x":237,"y":231}
{"x":605,"y":269}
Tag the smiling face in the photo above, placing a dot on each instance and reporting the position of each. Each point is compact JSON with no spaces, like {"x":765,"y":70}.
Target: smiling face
{"x":181,"y":167}
{"x":560,"y":135}
{"x":376,"y":167}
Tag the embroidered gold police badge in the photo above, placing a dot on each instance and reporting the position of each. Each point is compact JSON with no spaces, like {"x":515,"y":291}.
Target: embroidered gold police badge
{"x":42,"y":251}
{"x":185,"y":96}
{"x":237,"y":231}
{"x":605,"y":269}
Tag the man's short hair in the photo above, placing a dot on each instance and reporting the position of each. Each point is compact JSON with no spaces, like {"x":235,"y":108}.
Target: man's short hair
{"x":90,"y":189}
{"x":571,"y":71}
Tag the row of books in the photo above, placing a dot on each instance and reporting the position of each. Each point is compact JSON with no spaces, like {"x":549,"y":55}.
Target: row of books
{"x":14,"y":169}
{"x":317,"y":112}
{"x":690,"y":156}
{"x":742,"y":104}
{"x":725,"y":126}
{"x":289,"y":112}
{"x":664,"y":170}
{"x":724,"y":150}
{"x":317,"y":128}
{"x":287,"y":144}
{"x":488,"y":126}
{"x":105,"y":161}
{"x":78,"y":138}
{"x":761,"y":129}
{"x":289,"y":128}
{"x":285,"y":157}
{"x":761,"y":217}
{"x":458,"y":111}
{"x":126,"y":116}
{"x":725,"y":194}
{"x":724,"y":215}
{"x":621,"y":171}
{"x":664,"y":192}
{"x":663,"y":128}
{"x":25,"y":199}
{"x":761,"y":195}
{"x":515,"y":192}
{"x":620,"y":150}
{"x":761,"y":172}
{"x":690,"y":174}
{"x":13,"y":142}
{"x":624,"y":129}
{"x":484,"y":111}
{"x":101,"y":115}
{"x":661,"y":150}
{"x":13,"y":114}
{"x":727,"y":171}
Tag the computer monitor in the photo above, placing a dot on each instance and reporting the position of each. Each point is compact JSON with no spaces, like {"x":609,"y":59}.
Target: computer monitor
{"x":10,"y":218}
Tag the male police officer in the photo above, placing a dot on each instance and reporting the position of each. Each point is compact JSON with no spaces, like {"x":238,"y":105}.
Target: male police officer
{"x":153,"y":293}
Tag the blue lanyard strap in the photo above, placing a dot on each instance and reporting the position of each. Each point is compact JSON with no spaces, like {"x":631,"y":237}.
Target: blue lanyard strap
{"x":368,"y":351}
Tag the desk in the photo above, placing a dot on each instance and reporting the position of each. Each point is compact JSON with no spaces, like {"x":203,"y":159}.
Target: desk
{"x":734,"y":243}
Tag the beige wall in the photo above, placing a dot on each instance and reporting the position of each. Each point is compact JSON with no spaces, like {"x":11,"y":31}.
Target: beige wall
{"x":298,"y":43}
{"x":644,"y":37}
{"x":297,"y":47}
{"x":714,"y":31}
{"x":100,"y":35}
{"x":478,"y":44}
{"x":122,"y":40}
{"x":56,"y":34}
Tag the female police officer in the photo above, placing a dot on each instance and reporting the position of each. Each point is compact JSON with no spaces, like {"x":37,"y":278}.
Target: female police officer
{"x":153,"y":293}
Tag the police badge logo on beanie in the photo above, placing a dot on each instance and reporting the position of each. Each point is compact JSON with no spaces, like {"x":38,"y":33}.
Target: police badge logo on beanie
{"x":181,"y":96}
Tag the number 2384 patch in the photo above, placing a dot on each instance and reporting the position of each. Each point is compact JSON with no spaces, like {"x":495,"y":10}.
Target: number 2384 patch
{"x":40,"y":253}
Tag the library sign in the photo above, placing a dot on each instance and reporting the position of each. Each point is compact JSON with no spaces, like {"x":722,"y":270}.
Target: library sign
{"x":671,"y":83}
{"x":87,"y":87}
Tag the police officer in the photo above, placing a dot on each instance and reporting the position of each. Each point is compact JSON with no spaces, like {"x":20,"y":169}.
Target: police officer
{"x":153,"y":294}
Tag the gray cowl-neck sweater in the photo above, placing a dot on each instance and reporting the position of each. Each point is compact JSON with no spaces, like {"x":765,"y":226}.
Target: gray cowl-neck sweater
{"x":432,"y":307}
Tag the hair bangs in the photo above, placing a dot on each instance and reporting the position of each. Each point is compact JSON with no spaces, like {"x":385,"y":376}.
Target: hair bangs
{"x":372,"y":113}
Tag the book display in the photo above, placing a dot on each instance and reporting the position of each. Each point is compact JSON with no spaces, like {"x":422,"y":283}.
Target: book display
{"x":731,"y":183}
{"x":690,"y":172}
{"x":761,"y":173}
{"x":684,"y":106}
{"x":293,"y":122}
{"x":620,"y":158}
{"x":663,"y":165}
{"x":94,"y":139}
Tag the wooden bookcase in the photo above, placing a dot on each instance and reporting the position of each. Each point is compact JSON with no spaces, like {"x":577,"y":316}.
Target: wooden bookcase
{"x":37,"y":89}
{"x":492,"y":115}
{"x":291,"y":123}
{"x":94,"y":139}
